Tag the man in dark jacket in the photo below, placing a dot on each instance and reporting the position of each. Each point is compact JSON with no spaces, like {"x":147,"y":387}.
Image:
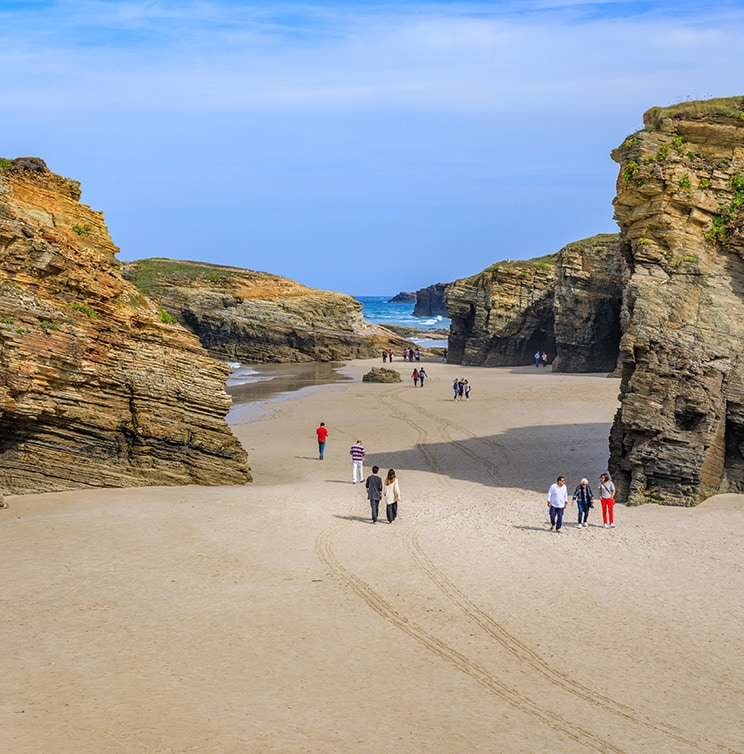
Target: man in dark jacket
{"x":374,"y":491}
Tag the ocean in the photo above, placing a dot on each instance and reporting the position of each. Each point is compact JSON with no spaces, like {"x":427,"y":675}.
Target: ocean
{"x":379,"y":310}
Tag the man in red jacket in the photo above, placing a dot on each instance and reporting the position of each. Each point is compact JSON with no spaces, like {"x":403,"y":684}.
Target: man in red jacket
{"x":322,"y":433}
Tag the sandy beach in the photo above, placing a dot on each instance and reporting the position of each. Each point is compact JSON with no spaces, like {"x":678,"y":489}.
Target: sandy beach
{"x":275,"y":617}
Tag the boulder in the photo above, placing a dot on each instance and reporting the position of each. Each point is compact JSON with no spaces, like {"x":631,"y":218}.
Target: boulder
{"x":379,"y":374}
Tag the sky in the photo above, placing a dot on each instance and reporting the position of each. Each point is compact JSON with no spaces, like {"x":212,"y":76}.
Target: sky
{"x":365,"y":148}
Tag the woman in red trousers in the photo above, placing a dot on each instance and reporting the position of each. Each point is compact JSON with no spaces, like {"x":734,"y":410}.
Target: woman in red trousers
{"x":607,"y":497}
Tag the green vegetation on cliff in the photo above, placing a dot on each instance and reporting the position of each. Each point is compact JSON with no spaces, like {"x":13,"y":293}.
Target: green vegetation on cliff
{"x":159,"y":272}
{"x":731,"y":107}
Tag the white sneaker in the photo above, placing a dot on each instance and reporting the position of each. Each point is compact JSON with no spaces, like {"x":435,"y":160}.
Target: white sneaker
{"x":579,"y":526}
{"x":612,"y":526}
{"x":605,"y":525}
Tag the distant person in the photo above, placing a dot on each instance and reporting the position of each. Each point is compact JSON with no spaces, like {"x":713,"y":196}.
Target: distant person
{"x":417,"y":354}
{"x":544,"y":359}
{"x":390,"y":355}
{"x":607,"y":499}
{"x":584,"y":499}
{"x":384,"y":357}
{"x":391,"y":496}
{"x":357,"y":461}
{"x":374,"y":492}
{"x":557,"y":499}
{"x":456,"y":388}
{"x":422,"y":376}
{"x":460,"y":389}
{"x":415,"y":377}
{"x":322,"y":433}
{"x":466,"y":387}
{"x":444,"y":355}
{"x":537,"y":358}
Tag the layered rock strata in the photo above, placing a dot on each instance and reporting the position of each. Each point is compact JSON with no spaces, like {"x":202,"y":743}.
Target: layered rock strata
{"x":678,"y":436}
{"x":501,"y":316}
{"x":98,"y":386}
{"x":587,"y":303}
{"x":254,"y":317}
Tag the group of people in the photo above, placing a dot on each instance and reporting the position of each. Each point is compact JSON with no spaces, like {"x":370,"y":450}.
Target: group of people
{"x":461,"y":389}
{"x":583,"y":496}
{"x":557,"y":499}
{"x":418,"y":374}
{"x":540,"y":358}
{"x":409,"y":354}
{"x":387,"y":490}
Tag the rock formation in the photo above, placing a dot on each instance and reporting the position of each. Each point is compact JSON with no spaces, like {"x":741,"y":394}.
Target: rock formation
{"x":501,"y":316}
{"x":252,"y":317}
{"x":98,"y":386}
{"x":404,"y":297}
{"x":566,"y":304}
{"x":679,"y":434}
{"x":380,"y":374}
{"x":586,"y":307}
{"x":431,"y":301}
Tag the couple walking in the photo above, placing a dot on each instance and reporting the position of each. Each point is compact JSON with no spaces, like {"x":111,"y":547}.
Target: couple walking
{"x":388,"y":491}
{"x":584,"y":499}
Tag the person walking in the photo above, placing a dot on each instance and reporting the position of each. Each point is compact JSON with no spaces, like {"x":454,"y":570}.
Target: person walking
{"x":357,"y":461}
{"x":422,"y":376}
{"x":584,"y":499}
{"x":415,"y":377}
{"x":607,"y":498}
{"x":537,"y":358}
{"x":322,"y":433}
{"x":466,"y":387}
{"x":374,"y":492}
{"x":391,"y":496}
{"x":557,"y":499}
{"x":455,"y":388}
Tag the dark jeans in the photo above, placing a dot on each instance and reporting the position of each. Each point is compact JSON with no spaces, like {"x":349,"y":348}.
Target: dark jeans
{"x":391,"y":510}
{"x":556,"y":517}
{"x":374,"y":504}
{"x":321,"y":449}
{"x":583,"y":511}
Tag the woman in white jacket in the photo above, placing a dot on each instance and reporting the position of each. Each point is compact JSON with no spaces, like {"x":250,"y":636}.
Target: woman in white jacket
{"x":391,"y":495}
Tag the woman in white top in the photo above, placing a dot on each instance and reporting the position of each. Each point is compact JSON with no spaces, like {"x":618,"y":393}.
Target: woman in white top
{"x":607,"y":497}
{"x":391,"y":495}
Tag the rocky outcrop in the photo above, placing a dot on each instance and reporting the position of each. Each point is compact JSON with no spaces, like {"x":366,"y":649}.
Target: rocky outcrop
{"x":98,"y":385}
{"x":566,"y":305}
{"x":501,"y":316}
{"x":253,"y":317}
{"x":404,"y":297}
{"x":379,"y":374}
{"x":586,"y":307}
{"x":679,"y":434}
{"x":431,"y":301}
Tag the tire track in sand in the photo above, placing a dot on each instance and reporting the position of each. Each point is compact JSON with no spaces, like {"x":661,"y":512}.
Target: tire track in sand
{"x":448,"y":653}
{"x":482,"y":619}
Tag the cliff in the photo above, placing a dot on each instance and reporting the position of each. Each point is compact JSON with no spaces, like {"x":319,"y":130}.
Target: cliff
{"x":679,"y":434}
{"x":501,"y":316}
{"x":247,"y":316}
{"x":431,"y":301}
{"x":587,"y":303}
{"x":98,"y":386}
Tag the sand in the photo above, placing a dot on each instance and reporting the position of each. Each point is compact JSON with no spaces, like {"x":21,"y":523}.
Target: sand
{"x":276,"y":618}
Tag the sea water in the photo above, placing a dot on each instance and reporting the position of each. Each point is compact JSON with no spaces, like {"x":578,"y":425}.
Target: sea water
{"x":381,"y":311}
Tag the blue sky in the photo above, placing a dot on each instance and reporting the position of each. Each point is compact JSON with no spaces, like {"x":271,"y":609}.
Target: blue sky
{"x":367,"y":148}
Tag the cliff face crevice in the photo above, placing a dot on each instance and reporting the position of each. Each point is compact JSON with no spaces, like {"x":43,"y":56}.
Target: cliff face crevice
{"x":97,"y":387}
{"x":252,"y":317}
{"x":677,"y":437}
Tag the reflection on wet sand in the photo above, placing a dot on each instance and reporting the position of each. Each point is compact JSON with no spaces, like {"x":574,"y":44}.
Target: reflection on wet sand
{"x":272,"y":380}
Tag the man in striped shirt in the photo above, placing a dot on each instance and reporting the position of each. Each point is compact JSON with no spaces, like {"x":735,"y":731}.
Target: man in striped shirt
{"x":357,"y":461}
